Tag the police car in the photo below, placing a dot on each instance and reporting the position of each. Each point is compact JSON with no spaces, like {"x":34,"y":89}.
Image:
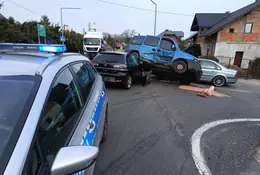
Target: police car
{"x":54,"y":111}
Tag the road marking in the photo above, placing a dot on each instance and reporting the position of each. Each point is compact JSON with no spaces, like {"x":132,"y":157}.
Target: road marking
{"x":197,"y":152}
{"x":237,"y":90}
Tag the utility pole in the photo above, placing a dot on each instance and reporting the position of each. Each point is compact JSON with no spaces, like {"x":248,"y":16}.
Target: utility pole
{"x":155,"y":20}
{"x":61,"y":20}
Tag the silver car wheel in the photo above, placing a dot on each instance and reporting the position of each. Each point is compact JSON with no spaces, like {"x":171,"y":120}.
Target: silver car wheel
{"x":219,"y":81}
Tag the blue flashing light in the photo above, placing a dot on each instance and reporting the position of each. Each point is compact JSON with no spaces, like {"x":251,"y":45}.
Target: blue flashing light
{"x":54,"y":49}
{"x":50,"y":48}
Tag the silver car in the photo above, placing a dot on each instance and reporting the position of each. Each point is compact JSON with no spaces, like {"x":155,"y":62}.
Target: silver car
{"x":54,"y":111}
{"x":217,"y":74}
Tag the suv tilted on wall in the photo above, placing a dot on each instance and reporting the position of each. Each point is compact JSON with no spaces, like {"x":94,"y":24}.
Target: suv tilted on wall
{"x":166,"y":58}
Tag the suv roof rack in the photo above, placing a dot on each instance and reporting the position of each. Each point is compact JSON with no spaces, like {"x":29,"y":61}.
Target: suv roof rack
{"x":20,"y":47}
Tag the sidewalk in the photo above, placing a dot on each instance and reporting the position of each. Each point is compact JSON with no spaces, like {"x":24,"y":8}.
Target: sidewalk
{"x":250,"y":82}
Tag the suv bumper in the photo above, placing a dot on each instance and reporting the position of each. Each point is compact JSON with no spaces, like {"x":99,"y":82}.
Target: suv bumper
{"x":195,"y":68}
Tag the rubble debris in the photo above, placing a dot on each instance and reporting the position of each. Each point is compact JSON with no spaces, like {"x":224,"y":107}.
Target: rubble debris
{"x":203,"y":92}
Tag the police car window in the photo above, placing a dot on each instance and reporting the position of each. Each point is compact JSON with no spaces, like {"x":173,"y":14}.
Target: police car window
{"x":59,"y":116}
{"x":85,"y":77}
{"x":166,"y":44}
{"x":151,"y":41}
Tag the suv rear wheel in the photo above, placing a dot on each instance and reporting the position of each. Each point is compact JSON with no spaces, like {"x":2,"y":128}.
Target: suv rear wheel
{"x":135,"y":54}
{"x":179,"y":66}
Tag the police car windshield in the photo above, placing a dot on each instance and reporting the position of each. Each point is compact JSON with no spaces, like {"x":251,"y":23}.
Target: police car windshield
{"x":17,"y":94}
{"x":110,"y":58}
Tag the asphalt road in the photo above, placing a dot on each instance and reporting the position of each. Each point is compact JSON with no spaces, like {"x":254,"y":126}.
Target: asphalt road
{"x":150,"y":131}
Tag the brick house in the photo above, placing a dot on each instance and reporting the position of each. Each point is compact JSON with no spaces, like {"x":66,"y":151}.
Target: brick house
{"x":234,"y":38}
{"x":175,"y":35}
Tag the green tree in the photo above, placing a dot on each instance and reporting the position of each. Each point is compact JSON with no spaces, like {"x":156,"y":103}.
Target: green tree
{"x":14,"y":32}
{"x":45,"y":20}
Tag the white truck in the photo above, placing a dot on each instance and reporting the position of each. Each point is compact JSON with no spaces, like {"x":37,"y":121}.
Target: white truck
{"x":93,"y":43}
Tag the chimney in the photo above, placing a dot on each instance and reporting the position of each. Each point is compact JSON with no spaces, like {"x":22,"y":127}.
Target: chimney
{"x":228,"y":12}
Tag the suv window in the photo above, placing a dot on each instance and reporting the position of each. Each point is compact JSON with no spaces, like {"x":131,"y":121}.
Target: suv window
{"x":58,"y":120}
{"x":151,"y":41}
{"x":137,"y":40}
{"x":166,"y":44}
{"x":85,"y":78}
{"x":207,"y":65}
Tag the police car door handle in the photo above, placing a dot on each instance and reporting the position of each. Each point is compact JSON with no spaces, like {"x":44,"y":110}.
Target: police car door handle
{"x":153,"y":49}
{"x":96,"y":97}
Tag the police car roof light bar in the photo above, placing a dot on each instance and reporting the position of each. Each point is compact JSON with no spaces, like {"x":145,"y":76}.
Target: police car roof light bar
{"x":49,"y":48}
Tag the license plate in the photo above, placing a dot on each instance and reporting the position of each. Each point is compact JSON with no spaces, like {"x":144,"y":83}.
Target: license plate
{"x":109,"y":79}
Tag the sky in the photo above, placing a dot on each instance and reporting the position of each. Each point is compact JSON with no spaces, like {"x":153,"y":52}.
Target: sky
{"x":115,"y":19}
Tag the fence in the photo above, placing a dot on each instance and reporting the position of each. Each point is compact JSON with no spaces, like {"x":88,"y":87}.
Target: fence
{"x":248,"y":69}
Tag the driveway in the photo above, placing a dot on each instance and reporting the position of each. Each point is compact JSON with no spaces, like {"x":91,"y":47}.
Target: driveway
{"x":161,"y":129}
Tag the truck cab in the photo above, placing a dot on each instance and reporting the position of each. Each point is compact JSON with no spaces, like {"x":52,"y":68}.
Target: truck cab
{"x":165,"y":57}
{"x":93,"y":43}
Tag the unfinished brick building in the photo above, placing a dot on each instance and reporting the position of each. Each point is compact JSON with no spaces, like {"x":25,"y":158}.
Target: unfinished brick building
{"x":234,"y":38}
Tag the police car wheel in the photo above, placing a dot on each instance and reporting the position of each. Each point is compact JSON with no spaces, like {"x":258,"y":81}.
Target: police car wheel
{"x":179,"y":66}
{"x":128,"y":82}
{"x":105,"y":130}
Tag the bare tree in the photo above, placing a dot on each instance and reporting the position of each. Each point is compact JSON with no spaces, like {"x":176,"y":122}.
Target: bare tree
{"x":1,"y":5}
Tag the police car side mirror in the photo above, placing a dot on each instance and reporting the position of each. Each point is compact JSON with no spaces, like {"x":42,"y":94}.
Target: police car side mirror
{"x":73,"y":159}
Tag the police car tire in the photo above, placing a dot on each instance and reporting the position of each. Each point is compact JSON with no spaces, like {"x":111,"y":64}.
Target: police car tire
{"x":179,"y":66}
{"x":105,"y":130}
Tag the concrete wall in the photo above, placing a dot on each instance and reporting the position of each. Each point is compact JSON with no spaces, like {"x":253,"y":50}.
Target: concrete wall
{"x":226,"y":51}
{"x":207,"y":44}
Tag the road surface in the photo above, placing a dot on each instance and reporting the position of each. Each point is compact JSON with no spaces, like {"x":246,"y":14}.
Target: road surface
{"x":151,"y":129}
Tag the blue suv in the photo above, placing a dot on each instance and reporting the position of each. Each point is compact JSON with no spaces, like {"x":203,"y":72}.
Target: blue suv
{"x":165,"y":58}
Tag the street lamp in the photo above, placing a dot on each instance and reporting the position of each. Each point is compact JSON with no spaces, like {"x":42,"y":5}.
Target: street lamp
{"x":62,"y":27}
{"x":155,"y":16}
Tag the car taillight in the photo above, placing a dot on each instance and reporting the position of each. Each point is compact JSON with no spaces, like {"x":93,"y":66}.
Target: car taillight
{"x":120,"y":66}
{"x":236,"y":75}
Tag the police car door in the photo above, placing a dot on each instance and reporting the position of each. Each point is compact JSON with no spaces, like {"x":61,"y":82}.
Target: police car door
{"x":90,"y":127}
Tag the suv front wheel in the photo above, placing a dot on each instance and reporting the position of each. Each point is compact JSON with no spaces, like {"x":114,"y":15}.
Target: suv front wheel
{"x":179,"y":66}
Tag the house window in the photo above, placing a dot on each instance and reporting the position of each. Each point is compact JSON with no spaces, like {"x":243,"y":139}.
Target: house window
{"x":231,"y":30}
{"x":248,"y":27}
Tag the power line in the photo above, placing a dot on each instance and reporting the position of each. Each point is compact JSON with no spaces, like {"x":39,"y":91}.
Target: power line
{"x":143,"y":9}
{"x":23,"y":7}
